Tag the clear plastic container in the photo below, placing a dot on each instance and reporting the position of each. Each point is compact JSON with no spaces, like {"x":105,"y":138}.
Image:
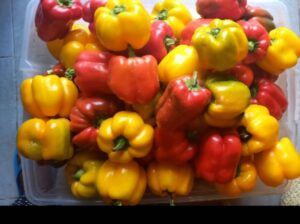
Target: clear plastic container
{"x":47,"y":186}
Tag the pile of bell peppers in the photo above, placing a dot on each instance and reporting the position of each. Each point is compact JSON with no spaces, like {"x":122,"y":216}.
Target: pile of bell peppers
{"x":160,"y":99}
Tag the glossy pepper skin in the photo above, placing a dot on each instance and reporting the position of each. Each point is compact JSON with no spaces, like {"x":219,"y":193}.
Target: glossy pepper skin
{"x":174,"y":13}
{"x":50,"y":140}
{"x":134,"y":79}
{"x":86,"y":117}
{"x":182,"y":102}
{"x":220,"y":45}
{"x":125,"y":136}
{"x":81,"y":173}
{"x":255,"y":119}
{"x":283,"y":52}
{"x":121,"y":23}
{"x":222,"y":9}
{"x":121,"y":183}
{"x":278,"y":163}
{"x":244,"y":181}
{"x":243,"y":73}
{"x":170,"y":179}
{"x":270,"y":95}
{"x":226,"y":92}
{"x":181,"y":61}
{"x":48,"y":96}
{"x":173,"y":146}
{"x":54,"y":18}
{"x":161,"y":41}
{"x":258,"y":40}
{"x":89,"y":9}
{"x":91,"y":73}
{"x":219,"y":155}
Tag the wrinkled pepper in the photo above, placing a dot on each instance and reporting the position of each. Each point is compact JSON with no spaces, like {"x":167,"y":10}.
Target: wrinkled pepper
{"x":220,"y":45}
{"x":89,"y":9}
{"x":219,"y":156}
{"x":181,"y":61}
{"x":243,"y":73}
{"x":283,"y":52}
{"x":278,"y":163}
{"x":86,"y":117}
{"x":174,"y":13}
{"x":54,"y":18}
{"x":121,"y":183}
{"x":258,"y":131}
{"x":121,"y":23}
{"x":226,"y":93}
{"x":81,"y":174}
{"x":50,"y":140}
{"x":125,"y":136}
{"x":91,"y":73}
{"x":244,"y":181}
{"x":222,"y":9}
{"x":48,"y":96}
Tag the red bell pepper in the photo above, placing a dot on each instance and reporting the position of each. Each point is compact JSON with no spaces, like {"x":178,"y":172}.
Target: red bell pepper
{"x":189,"y":30}
{"x":89,"y":9}
{"x":134,"y":79}
{"x":161,"y":41}
{"x":242,"y":73}
{"x":173,"y":146}
{"x":91,"y":76}
{"x":86,"y":117}
{"x":222,"y":9}
{"x":54,"y":18}
{"x":182,"y":102}
{"x":259,"y":74}
{"x":258,"y":40}
{"x":270,"y":95}
{"x":219,"y":155}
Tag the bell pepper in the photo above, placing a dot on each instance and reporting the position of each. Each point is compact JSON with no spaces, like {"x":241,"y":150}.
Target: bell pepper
{"x":121,"y":23}
{"x":278,"y":163}
{"x":230,"y":99}
{"x":58,"y":69}
{"x":189,"y":30}
{"x":255,"y":119}
{"x":81,"y":174}
{"x":222,"y":9}
{"x":174,"y":146}
{"x":86,"y":117}
{"x":125,"y":136}
{"x":244,"y":181}
{"x":243,"y":73}
{"x":89,"y":9}
{"x":258,"y":40}
{"x":182,"y":102}
{"x":168,"y":179}
{"x":92,"y":73}
{"x":220,"y":45}
{"x":134,"y":79}
{"x":259,"y":74}
{"x":38,"y":139}
{"x":121,"y":183}
{"x":219,"y":155}
{"x":283,"y":52}
{"x":181,"y":61}
{"x":174,"y":13}
{"x":54,"y":18}
{"x":48,"y":96}
{"x":161,"y":42}
{"x":270,"y":95}
{"x":254,"y":13}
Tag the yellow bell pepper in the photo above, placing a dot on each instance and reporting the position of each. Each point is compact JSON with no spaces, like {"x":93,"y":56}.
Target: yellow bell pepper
{"x":278,"y":163}
{"x":174,"y":13}
{"x":283,"y":52}
{"x":220,"y":45}
{"x":50,"y":140}
{"x":81,"y":173}
{"x":48,"y":96}
{"x":245,"y":181}
{"x":258,"y":131}
{"x":121,"y":23}
{"x":121,"y":183}
{"x":125,"y":136}
{"x":181,"y":61}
